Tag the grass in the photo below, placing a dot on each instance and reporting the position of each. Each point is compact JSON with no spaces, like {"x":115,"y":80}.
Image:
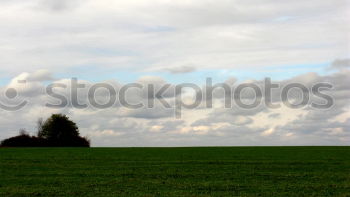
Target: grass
{"x":212,"y":171}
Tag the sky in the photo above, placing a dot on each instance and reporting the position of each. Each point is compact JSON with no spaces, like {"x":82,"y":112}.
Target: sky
{"x":172,"y":42}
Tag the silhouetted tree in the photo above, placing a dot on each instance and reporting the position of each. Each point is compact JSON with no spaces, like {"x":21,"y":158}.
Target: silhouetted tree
{"x":39,"y":125}
{"x":58,"y":126}
{"x":57,"y":130}
{"x":23,"y":132}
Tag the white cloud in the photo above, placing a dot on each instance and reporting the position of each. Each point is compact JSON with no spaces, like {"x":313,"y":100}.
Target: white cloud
{"x":147,"y":35}
{"x":64,"y":37}
{"x":217,"y":126}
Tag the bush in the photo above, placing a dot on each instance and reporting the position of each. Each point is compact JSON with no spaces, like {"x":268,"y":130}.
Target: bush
{"x":77,"y":141}
{"x":33,"y":141}
{"x":24,"y":140}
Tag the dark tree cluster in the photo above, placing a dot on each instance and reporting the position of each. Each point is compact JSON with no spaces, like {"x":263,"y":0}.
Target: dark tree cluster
{"x":56,"y":131}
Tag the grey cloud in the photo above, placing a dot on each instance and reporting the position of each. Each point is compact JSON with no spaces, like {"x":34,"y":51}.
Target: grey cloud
{"x":59,"y":5}
{"x":340,"y":64}
{"x":148,"y":113}
{"x":181,"y":69}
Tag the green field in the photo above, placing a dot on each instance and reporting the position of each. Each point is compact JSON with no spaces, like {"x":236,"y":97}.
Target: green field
{"x":224,"y":171}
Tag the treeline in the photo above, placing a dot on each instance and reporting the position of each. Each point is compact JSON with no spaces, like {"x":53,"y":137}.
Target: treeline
{"x":56,"y":131}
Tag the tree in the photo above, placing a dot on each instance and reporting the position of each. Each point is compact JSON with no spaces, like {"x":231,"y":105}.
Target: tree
{"x":56,"y":127}
{"x":23,"y":132}
{"x":39,"y":125}
{"x":58,"y":130}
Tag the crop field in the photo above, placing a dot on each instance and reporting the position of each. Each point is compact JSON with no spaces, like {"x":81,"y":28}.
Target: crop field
{"x":202,"y":171}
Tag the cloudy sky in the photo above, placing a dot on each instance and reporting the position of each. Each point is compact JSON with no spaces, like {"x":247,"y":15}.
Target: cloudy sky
{"x":172,"y":42}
